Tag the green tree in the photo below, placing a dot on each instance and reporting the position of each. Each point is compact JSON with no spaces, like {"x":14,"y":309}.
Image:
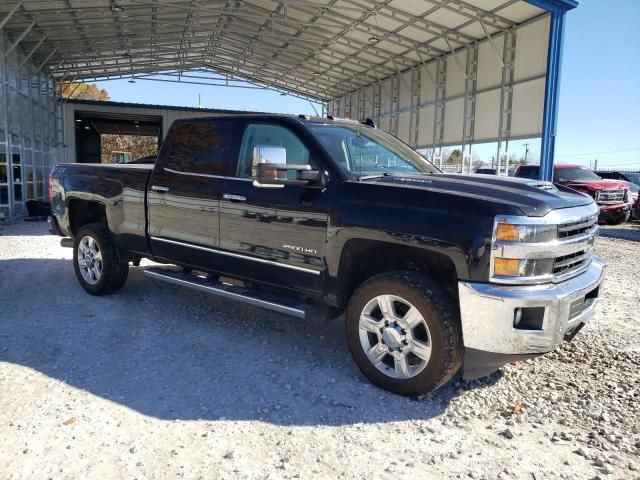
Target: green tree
{"x":455,"y":158}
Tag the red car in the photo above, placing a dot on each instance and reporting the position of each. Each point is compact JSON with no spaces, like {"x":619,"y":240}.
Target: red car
{"x":612,"y":196}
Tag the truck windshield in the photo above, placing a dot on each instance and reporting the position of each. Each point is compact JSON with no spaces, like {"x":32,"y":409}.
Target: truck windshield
{"x":575,"y":173}
{"x":633,"y":177}
{"x":363,"y":151}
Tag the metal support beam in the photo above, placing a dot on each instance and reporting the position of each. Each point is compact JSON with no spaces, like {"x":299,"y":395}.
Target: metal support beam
{"x":395,"y":105}
{"x":414,"y":102}
{"x":314,"y":107}
{"x":439,"y":111}
{"x":455,"y":57}
{"x":493,"y":45}
{"x":32,"y":51}
{"x":20,"y":38}
{"x":554,"y":5}
{"x":552,"y":87}
{"x":10,"y":14}
{"x":470,"y":88}
{"x":44,"y":62}
{"x":4,"y":88}
{"x":506,"y":95}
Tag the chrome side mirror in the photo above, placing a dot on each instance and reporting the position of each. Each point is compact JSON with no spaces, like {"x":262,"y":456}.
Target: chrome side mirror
{"x":263,"y":155}
{"x":269,"y":168}
{"x":268,"y":154}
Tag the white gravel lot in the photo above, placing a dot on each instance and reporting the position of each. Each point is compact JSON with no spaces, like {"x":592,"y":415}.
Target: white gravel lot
{"x":161,"y":382}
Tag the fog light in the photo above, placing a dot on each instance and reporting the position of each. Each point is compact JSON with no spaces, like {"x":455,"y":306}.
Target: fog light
{"x":530,"y":318}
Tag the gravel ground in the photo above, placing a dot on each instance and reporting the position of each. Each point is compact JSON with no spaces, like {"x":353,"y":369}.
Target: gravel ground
{"x":161,"y":382}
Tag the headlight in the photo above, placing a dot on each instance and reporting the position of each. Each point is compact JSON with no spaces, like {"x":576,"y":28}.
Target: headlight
{"x":508,"y":232}
{"x":514,"y":241}
{"x":537,"y":250}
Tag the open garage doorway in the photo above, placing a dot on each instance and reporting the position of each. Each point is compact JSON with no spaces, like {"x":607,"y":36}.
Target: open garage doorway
{"x":104,"y":137}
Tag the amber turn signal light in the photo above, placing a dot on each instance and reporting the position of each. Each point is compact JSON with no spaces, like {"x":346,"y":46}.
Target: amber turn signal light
{"x":507,"y":232}
{"x":506,"y":267}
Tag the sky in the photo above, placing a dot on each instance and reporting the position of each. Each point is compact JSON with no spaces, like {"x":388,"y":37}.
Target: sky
{"x":600,"y":84}
{"x":599,"y":110}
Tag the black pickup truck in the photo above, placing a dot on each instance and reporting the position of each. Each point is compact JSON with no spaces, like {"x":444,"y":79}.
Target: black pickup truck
{"x":319,"y":215}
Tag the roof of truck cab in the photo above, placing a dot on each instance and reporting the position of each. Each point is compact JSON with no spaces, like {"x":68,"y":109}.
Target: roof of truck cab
{"x":267,"y":116}
{"x":556,"y":166}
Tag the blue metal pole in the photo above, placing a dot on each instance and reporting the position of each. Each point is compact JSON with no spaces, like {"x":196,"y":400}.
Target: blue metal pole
{"x":552,"y":87}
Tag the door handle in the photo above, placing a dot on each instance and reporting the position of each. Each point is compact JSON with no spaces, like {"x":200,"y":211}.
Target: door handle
{"x":234,"y":198}
{"x":159,"y":188}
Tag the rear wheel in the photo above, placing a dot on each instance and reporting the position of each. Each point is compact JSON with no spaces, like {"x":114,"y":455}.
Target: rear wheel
{"x":100,"y":268}
{"x":403,"y":332}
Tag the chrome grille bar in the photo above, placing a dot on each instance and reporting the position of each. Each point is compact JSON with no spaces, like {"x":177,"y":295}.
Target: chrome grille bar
{"x":610,"y":196}
{"x":586,"y":226}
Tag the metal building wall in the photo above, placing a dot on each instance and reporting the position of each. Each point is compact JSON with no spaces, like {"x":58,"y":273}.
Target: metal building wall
{"x":28,"y":146}
{"x":491,"y":91}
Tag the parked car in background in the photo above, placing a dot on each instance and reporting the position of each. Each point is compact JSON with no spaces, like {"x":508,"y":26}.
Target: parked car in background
{"x":635,"y":200}
{"x":612,"y":196}
{"x":633,"y":180}
{"x":633,"y":177}
{"x":486,"y":171}
{"x":121,"y":157}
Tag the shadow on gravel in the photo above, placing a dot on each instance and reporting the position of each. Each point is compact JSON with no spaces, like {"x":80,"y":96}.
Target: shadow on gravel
{"x":173,"y":353}
{"x":631,"y":232}
{"x":22,"y":227}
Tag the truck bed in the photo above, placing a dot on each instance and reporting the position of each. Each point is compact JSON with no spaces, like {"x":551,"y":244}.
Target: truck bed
{"x":120,"y":188}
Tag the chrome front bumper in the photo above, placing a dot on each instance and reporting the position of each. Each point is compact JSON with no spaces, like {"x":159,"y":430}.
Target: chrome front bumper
{"x":487,"y":313}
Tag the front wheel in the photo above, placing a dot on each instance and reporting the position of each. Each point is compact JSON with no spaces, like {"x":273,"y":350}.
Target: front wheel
{"x":404,"y":334}
{"x":621,"y":219}
{"x":100,"y":268}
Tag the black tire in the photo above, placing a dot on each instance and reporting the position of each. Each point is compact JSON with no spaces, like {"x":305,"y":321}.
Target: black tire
{"x":622,"y":219}
{"x":115,"y":266}
{"x":441,"y":316}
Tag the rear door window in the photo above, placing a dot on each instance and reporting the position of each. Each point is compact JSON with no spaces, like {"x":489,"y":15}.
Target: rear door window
{"x":201,"y":148}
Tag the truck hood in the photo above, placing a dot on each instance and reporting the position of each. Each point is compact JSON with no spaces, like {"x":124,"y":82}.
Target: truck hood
{"x":593,"y":185}
{"x":533,"y":197}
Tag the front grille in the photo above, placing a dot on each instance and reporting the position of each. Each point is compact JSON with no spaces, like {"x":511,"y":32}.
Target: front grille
{"x":610,"y":196}
{"x":581,"y":227}
{"x":574,"y":261}
{"x":568,"y":264}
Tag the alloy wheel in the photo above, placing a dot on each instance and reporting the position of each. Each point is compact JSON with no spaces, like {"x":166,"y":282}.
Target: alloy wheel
{"x":394,"y":336}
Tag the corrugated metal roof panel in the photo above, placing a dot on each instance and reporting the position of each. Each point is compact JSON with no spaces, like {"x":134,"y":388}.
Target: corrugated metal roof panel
{"x":320,"y":49}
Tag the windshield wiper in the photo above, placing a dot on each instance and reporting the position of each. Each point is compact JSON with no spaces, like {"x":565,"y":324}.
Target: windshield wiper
{"x":377,"y":175}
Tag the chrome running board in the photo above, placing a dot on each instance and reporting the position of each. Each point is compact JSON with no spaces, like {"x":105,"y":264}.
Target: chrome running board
{"x":258,"y":298}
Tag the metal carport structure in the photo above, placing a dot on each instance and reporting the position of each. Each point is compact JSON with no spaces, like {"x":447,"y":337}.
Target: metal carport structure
{"x":433,"y":72}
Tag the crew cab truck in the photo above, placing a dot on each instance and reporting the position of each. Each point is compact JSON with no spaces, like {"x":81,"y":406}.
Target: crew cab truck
{"x":300,"y":215}
{"x":612,"y":196}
